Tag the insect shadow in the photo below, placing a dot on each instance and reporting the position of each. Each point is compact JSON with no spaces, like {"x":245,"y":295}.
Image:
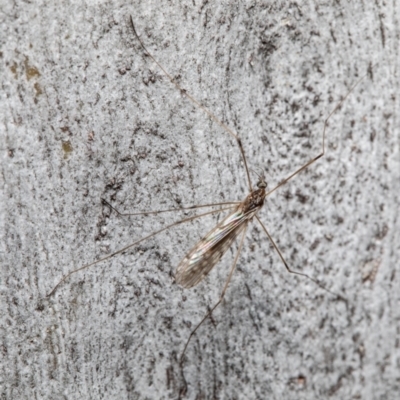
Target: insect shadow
{"x":200,"y":260}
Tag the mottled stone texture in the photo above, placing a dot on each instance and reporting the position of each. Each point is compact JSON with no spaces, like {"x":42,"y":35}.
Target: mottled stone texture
{"x":84,"y":116}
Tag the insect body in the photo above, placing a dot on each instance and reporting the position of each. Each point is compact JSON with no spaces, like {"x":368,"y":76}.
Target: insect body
{"x":209,"y":250}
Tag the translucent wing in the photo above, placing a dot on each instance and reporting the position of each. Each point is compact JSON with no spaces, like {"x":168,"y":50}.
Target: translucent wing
{"x":202,"y":258}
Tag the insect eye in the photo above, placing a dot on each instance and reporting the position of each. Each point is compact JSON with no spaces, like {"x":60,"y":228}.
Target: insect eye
{"x":262,"y":184}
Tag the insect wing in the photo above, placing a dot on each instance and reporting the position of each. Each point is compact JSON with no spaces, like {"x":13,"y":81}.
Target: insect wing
{"x":202,"y":258}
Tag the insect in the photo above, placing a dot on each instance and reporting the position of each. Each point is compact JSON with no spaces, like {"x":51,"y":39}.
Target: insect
{"x":199,"y":261}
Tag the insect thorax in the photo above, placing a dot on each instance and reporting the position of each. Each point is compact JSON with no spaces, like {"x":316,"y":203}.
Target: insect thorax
{"x":254,"y":200}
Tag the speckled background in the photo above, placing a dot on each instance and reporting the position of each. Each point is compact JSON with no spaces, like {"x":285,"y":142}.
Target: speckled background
{"x":84,"y":116}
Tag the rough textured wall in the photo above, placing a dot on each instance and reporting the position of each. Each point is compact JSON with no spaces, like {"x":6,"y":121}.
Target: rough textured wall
{"x":84,"y":116}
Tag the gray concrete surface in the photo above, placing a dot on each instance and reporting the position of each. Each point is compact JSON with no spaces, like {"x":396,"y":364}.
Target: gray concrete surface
{"x":84,"y":116}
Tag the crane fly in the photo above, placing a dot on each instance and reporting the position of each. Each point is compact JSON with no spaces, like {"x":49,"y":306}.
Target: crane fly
{"x":200,"y":260}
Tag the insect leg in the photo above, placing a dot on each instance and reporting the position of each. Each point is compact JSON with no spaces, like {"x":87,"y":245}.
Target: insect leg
{"x":196,"y":103}
{"x":296,"y":272}
{"x":222,"y":294}
{"x":135,"y":243}
{"x":322,"y":153}
{"x":226,"y":203}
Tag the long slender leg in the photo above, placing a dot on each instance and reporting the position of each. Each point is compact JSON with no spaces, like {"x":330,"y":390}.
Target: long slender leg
{"x":222,"y":294}
{"x":226,"y":203}
{"x":133,"y":244}
{"x":296,"y":272}
{"x":338,"y":105}
{"x":197,"y":103}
